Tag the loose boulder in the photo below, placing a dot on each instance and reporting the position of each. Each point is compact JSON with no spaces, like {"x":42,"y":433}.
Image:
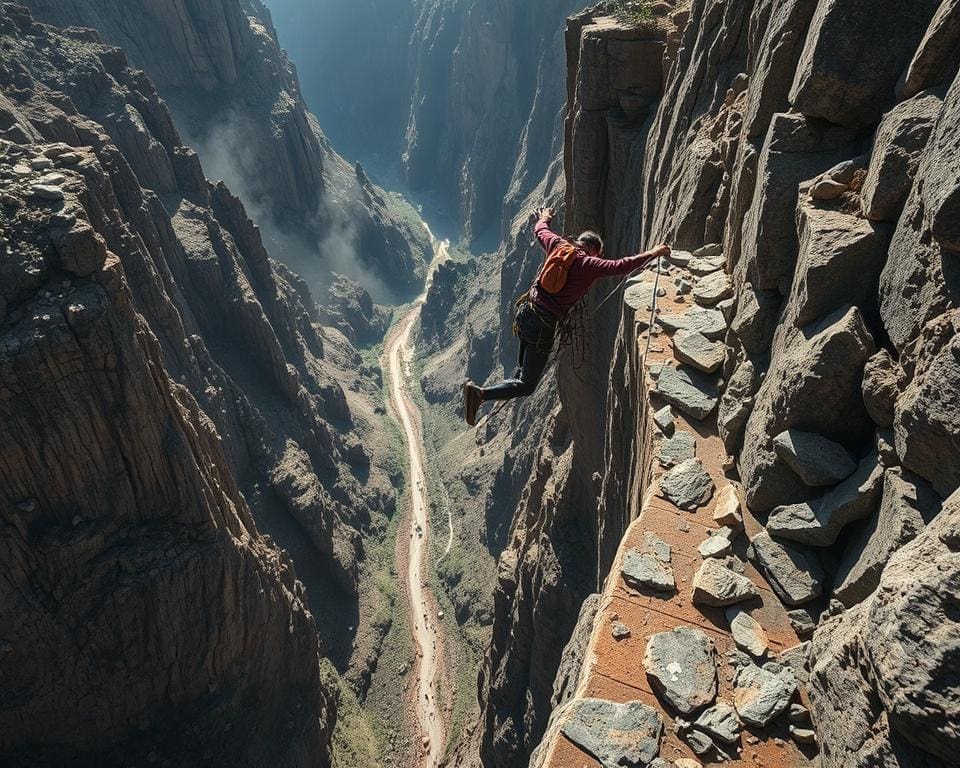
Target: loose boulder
{"x":908,"y":505}
{"x":819,"y":522}
{"x":615,"y":734}
{"x":762,"y":693}
{"x":849,"y":84}
{"x":717,"y":585}
{"x":818,"y":461}
{"x":795,"y":574}
{"x":688,"y":485}
{"x":681,"y":666}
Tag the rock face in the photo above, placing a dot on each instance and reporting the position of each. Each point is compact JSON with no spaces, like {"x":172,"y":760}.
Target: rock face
{"x":880,"y":689}
{"x":230,"y":86}
{"x":826,"y":190}
{"x":146,"y":457}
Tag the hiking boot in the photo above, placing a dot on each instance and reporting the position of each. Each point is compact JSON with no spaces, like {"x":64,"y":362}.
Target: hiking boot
{"x":472,"y":398}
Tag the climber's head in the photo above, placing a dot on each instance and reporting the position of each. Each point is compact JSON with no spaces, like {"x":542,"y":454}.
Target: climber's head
{"x":591,"y":243}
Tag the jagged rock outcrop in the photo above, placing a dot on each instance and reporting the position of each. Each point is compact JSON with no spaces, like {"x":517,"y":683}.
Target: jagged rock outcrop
{"x":236,"y":96}
{"x":167,"y":396}
{"x":844,"y":323}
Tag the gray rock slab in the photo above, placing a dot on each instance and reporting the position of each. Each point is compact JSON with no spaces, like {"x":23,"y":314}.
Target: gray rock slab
{"x":715,"y":546}
{"x":709,"y":251}
{"x":663,"y":418}
{"x":818,"y":461}
{"x":820,"y":522}
{"x":678,"y":449}
{"x":796,"y":658}
{"x":615,"y":734}
{"x":697,"y":350}
{"x":762,"y":693}
{"x":657,"y":547}
{"x":853,"y":85}
{"x":900,"y":140}
{"x":680,"y":258}
{"x":46,"y":192}
{"x":681,"y":666}
{"x":703,"y":267}
{"x":710,"y":322}
{"x":712,"y":289}
{"x":639,"y":295}
{"x":717,"y":585}
{"x":795,"y":574}
{"x":747,"y":632}
{"x":721,"y":722}
{"x":908,"y":504}
{"x":688,"y":485}
{"x":642,"y":570}
{"x":691,"y":391}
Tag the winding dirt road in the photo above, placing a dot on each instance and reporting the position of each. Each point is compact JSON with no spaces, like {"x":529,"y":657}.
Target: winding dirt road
{"x":427,"y":631}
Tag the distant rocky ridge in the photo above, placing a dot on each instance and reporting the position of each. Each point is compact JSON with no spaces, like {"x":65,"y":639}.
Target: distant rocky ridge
{"x":236,"y":96}
{"x":465,"y":93}
{"x":167,"y":395}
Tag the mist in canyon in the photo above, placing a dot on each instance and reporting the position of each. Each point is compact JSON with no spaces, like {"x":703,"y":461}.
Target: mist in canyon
{"x":250,"y":250}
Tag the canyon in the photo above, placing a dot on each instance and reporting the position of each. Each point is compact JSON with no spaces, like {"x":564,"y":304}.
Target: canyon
{"x":725,"y":524}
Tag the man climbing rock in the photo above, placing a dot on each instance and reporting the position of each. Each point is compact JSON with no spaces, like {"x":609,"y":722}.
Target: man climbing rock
{"x":570,"y":268}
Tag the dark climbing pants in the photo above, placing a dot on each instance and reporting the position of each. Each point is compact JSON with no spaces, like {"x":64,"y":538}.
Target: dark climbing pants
{"x":536,"y":330}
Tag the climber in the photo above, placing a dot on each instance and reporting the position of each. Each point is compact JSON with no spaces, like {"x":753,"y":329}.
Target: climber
{"x":568,"y":272}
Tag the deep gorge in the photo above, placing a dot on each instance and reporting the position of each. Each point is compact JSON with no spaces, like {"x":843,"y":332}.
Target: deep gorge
{"x":202,"y":489}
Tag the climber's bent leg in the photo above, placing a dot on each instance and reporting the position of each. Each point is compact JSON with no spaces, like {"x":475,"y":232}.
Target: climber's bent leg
{"x":532,"y":365}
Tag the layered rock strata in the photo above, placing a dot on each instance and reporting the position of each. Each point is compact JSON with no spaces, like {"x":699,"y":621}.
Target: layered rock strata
{"x":236,"y":96}
{"x":167,"y":396}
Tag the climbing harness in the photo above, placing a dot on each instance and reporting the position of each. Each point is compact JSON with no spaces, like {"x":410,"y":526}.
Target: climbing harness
{"x":572,"y":326}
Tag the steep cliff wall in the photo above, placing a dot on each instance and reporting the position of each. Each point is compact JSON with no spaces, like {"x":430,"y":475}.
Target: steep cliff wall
{"x":168,"y":396}
{"x":829,"y":185}
{"x":237,"y":98}
{"x":480,"y":84}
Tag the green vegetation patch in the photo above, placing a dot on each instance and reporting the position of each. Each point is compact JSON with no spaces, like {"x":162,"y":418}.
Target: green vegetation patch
{"x":630,"y":11}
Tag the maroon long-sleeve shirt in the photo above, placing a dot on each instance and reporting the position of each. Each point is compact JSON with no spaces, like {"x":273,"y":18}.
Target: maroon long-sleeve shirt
{"x":583,"y":272}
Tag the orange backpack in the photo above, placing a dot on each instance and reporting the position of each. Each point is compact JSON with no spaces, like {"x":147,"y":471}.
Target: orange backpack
{"x":553,"y":273}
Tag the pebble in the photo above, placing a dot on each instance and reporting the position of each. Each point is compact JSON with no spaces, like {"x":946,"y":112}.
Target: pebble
{"x":22,"y":170}
{"x":799,"y":713}
{"x":69,"y":158}
{"x":45,"y":192}
{"x":803,"y":735}
{"x":727,"y":509}
{"x":664,"y":420}
{"x":717,"y":585}
{"x":41,"y":163}
{"x":715,"y":546}
{"x":619,"y":630}
{"x":657,"y":547}
{"x":720,"y":721}
{"x":10,"y":201}
{"x":747,"y":632}
{"x":53,"y":179}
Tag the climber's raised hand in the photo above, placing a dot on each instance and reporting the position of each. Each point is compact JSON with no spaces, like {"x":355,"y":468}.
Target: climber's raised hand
{"x":662,"y":251}
{"x":544,"y":214}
